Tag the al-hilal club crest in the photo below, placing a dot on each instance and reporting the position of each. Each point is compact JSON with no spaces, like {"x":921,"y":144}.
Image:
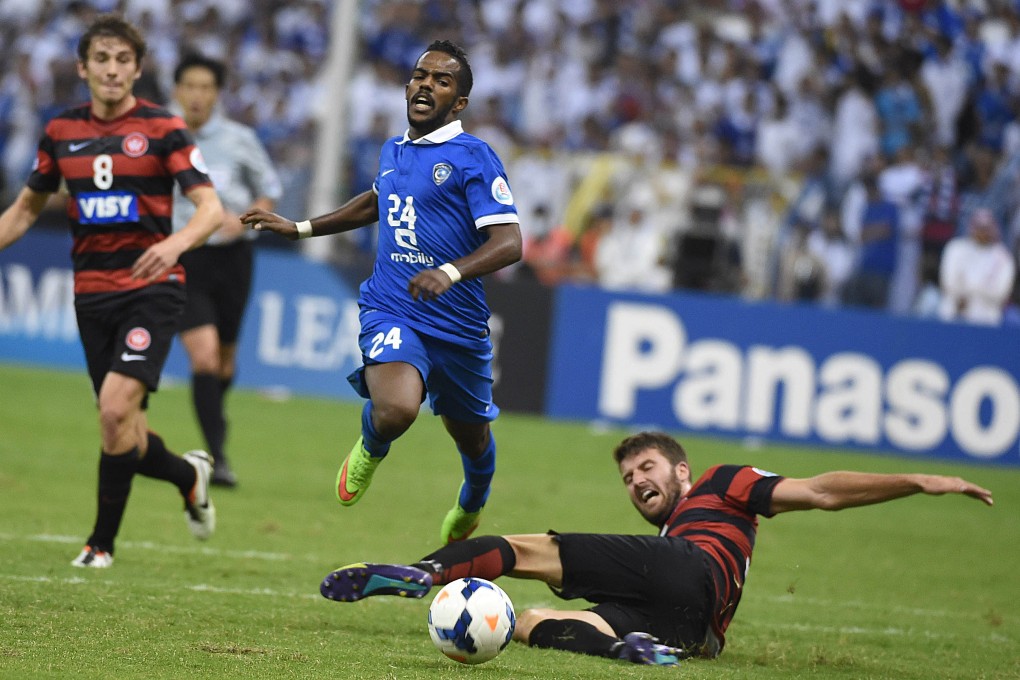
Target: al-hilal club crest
{"x":440,"y":171}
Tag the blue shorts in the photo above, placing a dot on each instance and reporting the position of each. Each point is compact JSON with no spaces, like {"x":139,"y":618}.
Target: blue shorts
{"x":458,"y":380}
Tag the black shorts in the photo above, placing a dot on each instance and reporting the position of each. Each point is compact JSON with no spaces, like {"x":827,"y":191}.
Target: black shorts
{"x":219,"y":282}
{"x":652,"y":584}
{"x":130,"y":333}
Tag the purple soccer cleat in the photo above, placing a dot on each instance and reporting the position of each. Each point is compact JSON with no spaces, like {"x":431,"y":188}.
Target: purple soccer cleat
{"x":361,"y":580}
{"x":642,"y":648}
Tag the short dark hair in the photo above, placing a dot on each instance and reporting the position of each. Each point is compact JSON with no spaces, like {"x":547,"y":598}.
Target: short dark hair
{"x":465,"y":79}
{"x":111,"y":26}
{"x":196,"y":60}
{"x":662,"y":442}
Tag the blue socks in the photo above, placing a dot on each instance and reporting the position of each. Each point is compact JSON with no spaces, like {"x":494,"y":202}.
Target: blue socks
{"x":477,"y":473}
{"x":477,"y":477}
{"x":373,"y":443}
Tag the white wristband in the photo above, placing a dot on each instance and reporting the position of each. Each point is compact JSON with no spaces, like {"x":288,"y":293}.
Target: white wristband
{"x":450,"y":271}
{"x":304,"y":228}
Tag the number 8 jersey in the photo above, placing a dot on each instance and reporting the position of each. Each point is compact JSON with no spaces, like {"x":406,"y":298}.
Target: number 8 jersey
{"x":120,"y":175}
{"x":436,"y":195}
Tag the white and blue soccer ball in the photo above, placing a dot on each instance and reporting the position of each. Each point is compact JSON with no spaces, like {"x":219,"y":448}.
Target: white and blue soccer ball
{"x":471,"y":620}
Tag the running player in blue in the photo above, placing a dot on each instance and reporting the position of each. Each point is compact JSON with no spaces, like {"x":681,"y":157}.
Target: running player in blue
{"x":447,"y":218}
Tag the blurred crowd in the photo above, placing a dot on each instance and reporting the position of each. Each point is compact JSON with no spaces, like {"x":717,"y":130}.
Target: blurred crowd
{"x":273,"y":51}
{"x":839,"y":152}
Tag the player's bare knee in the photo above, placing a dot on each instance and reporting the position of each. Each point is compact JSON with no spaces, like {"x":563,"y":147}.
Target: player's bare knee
{"x":392,"y":419}
{"x":204,"y":358}
{"x":227,"y":370}
{"x":526,"y":622}
{"x":115,"y":418}
{"x":205,"y":364}
{"x":113,"y":414}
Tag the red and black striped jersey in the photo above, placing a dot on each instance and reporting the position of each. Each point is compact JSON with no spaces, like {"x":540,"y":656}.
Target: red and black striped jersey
{"x":719,"y":515}
{"x":120,"y":175}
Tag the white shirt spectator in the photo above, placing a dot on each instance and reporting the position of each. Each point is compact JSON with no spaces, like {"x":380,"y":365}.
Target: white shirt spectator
{"x":630,"y":255}
{"x":795,"y":60}
{"x":829,"y":11}
{"x":854,"y":134}
{"x":541,"y":181}
{"x":375,"y":93}
{"x":976,"y":274}
{"x":809,"y":116}
{"x":946,"y":78}
{"x":777,"y":144}
{"x":901,"y":183}
{"x":682,"y":39}
{"x":837,"y":254}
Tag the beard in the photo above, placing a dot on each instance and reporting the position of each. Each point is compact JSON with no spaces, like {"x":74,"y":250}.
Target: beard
{"x":670,"y":497}
{"x":431,"y":123}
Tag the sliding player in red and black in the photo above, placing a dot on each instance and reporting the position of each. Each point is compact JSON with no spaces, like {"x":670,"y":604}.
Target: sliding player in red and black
{"x":658,"y":599}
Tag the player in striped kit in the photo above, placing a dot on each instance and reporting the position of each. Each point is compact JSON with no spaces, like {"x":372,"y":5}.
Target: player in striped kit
{"x":680,"y":587}
{"x":119,"y":157}
{"x":447,"y":217}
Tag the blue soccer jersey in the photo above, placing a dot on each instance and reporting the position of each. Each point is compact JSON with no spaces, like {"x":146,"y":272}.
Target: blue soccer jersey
{"x":436,"y":194}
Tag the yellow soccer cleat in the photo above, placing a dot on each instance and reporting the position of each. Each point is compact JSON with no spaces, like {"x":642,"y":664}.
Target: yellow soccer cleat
{"x":355,"y":474}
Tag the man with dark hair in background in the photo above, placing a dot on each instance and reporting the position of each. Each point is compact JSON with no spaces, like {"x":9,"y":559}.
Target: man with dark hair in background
{"x":120,"y":157}
{"x":219,"y":272}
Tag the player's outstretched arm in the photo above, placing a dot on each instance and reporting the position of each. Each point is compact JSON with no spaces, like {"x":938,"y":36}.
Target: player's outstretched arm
{"x":502,"y":247}
{"x":361,"y":210}
{"x":233,"y":227}
{"x":839,"y":490}
{"x":20,"y":215}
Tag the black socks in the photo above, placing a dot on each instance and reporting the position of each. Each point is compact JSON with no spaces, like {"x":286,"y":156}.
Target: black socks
{"x":115,"y":474}
{"x":160,"y":463}
{"x":571,"y":635}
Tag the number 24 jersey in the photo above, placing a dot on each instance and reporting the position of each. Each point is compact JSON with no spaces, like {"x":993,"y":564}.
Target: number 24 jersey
{"x":436,"y":195}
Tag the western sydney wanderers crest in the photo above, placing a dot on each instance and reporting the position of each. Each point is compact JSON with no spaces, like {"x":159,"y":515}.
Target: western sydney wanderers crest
{"x":135,"y":145}
{"x":138,"y":339}
{"x":440,"y":171}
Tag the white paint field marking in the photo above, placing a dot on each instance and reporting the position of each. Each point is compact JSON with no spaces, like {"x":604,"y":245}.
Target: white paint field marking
{"x":181,"y":550}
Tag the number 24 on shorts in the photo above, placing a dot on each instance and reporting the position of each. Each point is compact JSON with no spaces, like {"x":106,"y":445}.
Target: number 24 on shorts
{"x":380,"y":340}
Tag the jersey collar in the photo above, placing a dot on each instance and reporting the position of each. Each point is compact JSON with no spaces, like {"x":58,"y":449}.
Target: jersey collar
{"x":443,"y":134}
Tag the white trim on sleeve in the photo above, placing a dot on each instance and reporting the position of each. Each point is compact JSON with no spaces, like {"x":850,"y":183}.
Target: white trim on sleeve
{"x":504,"y":218}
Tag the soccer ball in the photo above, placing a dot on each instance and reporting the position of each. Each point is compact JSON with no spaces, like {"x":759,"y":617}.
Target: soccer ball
{"x":471,"y":620}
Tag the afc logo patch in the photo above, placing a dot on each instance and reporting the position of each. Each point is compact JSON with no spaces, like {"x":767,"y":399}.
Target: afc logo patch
{"x":138,"y":339}
{"x":135,"y":145}
{"x":440,"y":172}
{"x":198,"y":160}
{"x":501,"y":191}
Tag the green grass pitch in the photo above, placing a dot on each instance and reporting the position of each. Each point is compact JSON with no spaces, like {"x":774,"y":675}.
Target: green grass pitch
{"x":919,"y":588}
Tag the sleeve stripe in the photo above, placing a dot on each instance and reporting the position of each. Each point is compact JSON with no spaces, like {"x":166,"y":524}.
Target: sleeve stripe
{"x":489,"y":220}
